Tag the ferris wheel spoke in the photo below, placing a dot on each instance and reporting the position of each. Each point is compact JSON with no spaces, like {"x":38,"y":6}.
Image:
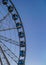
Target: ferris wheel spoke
{"x":9,"y":53}
{"x":9,"y":40}
{"x":4,"y":17}
{"x":8,"y":29}
{"x":3,"y":59}
{"x":13,"y":17}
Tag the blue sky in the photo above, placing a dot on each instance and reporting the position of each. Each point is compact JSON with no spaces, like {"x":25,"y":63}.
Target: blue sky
{"x":33,"y":14}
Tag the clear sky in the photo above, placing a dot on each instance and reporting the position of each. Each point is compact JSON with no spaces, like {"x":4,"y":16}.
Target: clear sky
{"x":33,"y":14}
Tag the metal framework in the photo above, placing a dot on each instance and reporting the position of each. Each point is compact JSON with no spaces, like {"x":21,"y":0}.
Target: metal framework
{"x":4,"y":50}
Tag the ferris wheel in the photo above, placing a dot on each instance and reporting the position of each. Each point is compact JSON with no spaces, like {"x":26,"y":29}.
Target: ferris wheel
{"x":12,"y":35}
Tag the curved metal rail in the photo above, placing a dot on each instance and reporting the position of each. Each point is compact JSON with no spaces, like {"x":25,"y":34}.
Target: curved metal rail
{"x":20,"y":29}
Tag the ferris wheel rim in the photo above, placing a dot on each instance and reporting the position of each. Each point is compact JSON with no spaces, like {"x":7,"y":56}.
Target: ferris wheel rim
{"x":18,"y":32}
